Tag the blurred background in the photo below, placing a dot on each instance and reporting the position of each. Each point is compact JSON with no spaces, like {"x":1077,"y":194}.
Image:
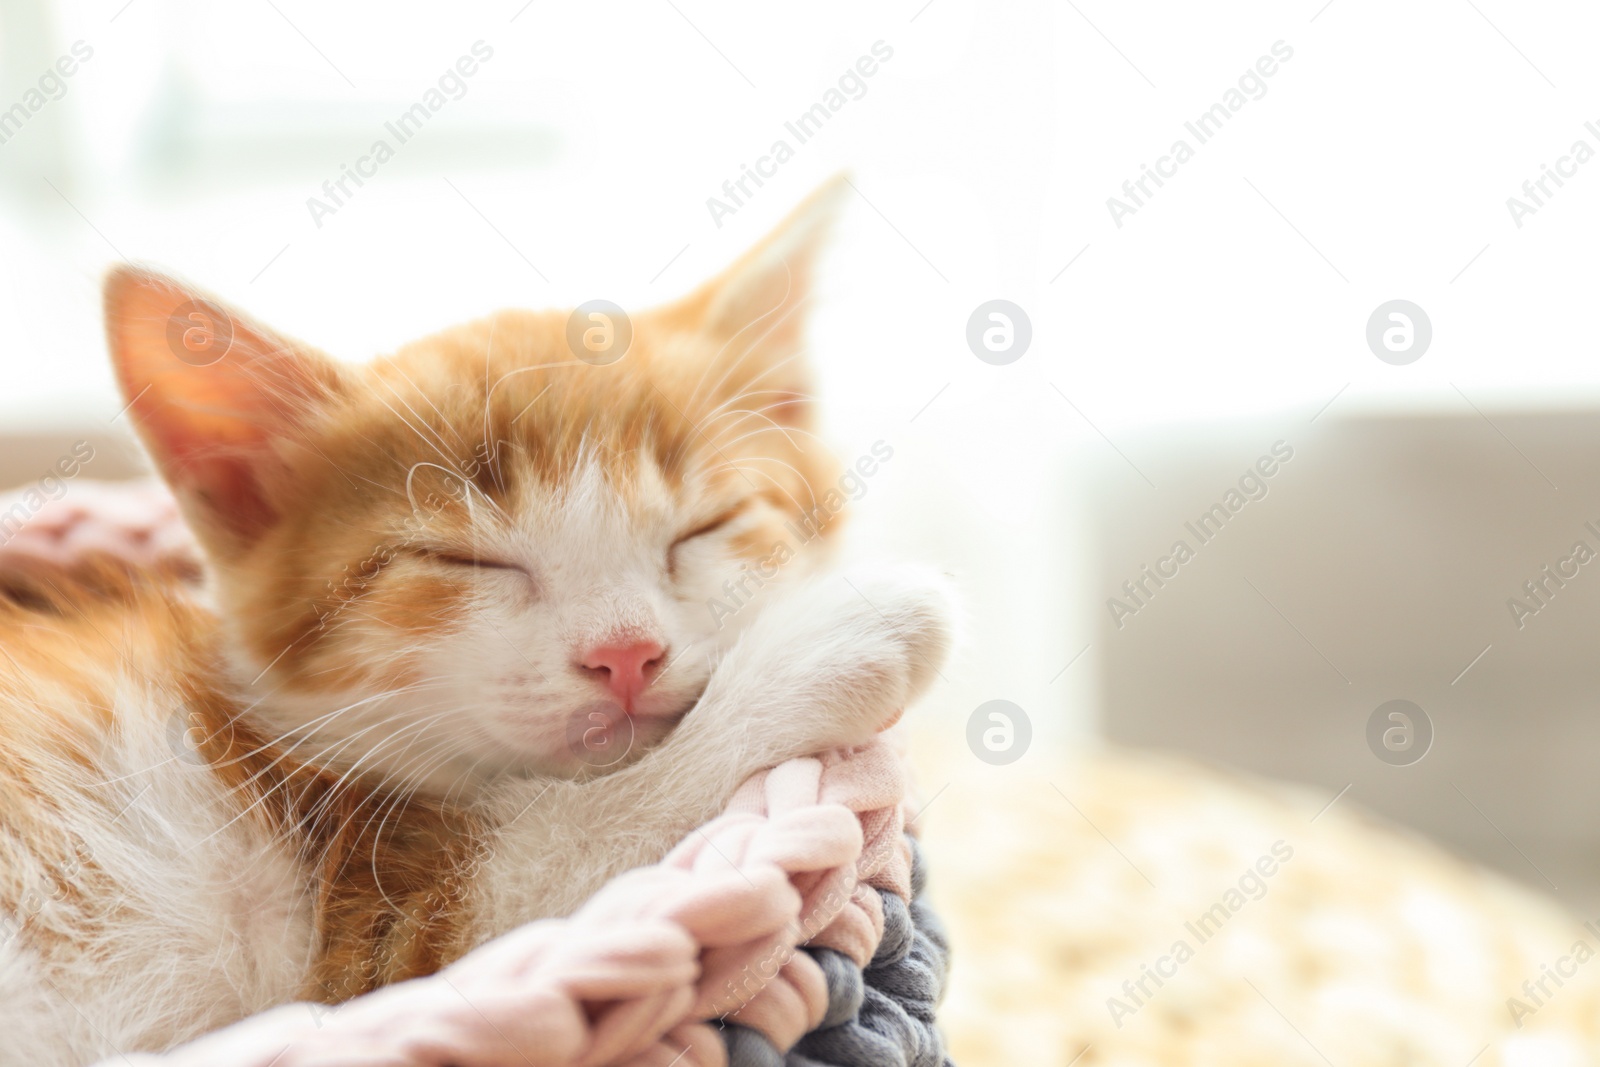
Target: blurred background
{"x":1172,"y":341}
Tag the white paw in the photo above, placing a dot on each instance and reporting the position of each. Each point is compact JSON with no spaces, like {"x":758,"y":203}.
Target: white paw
{"x":839,"y":658}
{"x":913,"y":610}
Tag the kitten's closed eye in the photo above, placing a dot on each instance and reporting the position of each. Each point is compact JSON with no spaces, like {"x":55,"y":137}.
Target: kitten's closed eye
{"x":452,"y":558}
{"x":713,"y":524}
{"x":710,"y":526}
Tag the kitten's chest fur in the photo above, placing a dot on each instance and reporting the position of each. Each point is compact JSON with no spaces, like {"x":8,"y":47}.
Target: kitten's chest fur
{"x":178,"y":860}
{"x":388,"y":879}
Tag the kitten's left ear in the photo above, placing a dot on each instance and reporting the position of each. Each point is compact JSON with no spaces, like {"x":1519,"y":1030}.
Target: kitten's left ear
{"x":754,"y":312}
{"x":215,"y":397}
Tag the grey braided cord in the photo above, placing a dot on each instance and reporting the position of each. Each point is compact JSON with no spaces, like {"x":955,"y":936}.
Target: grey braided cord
{"x":883,"y":1016}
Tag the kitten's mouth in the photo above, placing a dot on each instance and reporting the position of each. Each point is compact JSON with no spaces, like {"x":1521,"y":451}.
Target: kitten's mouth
{"x":602,"y":736}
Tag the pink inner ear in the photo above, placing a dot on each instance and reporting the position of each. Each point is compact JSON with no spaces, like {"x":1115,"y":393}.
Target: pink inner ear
{"x":210,"y":423}
{"x":228,"y":488}
{"x":206,"y":429}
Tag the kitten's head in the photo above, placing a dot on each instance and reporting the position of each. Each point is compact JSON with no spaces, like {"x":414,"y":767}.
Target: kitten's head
{"x":484,"y":554}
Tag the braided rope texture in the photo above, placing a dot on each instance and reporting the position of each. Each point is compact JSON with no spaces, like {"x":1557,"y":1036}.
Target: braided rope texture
{"x":880,"y":1016}
{"x":809,"y":853}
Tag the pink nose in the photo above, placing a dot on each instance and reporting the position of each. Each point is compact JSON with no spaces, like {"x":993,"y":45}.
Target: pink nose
{"x":625,"y":668}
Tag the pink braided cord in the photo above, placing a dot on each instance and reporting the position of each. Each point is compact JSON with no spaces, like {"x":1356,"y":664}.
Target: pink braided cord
{"x":639,"y":975}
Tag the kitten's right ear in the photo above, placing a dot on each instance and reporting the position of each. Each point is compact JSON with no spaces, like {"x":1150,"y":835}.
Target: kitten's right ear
{"x":212,"y":394}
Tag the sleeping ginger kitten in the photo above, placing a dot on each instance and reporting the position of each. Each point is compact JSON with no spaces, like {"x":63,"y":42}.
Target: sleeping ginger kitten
{"x":453,"y":667}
